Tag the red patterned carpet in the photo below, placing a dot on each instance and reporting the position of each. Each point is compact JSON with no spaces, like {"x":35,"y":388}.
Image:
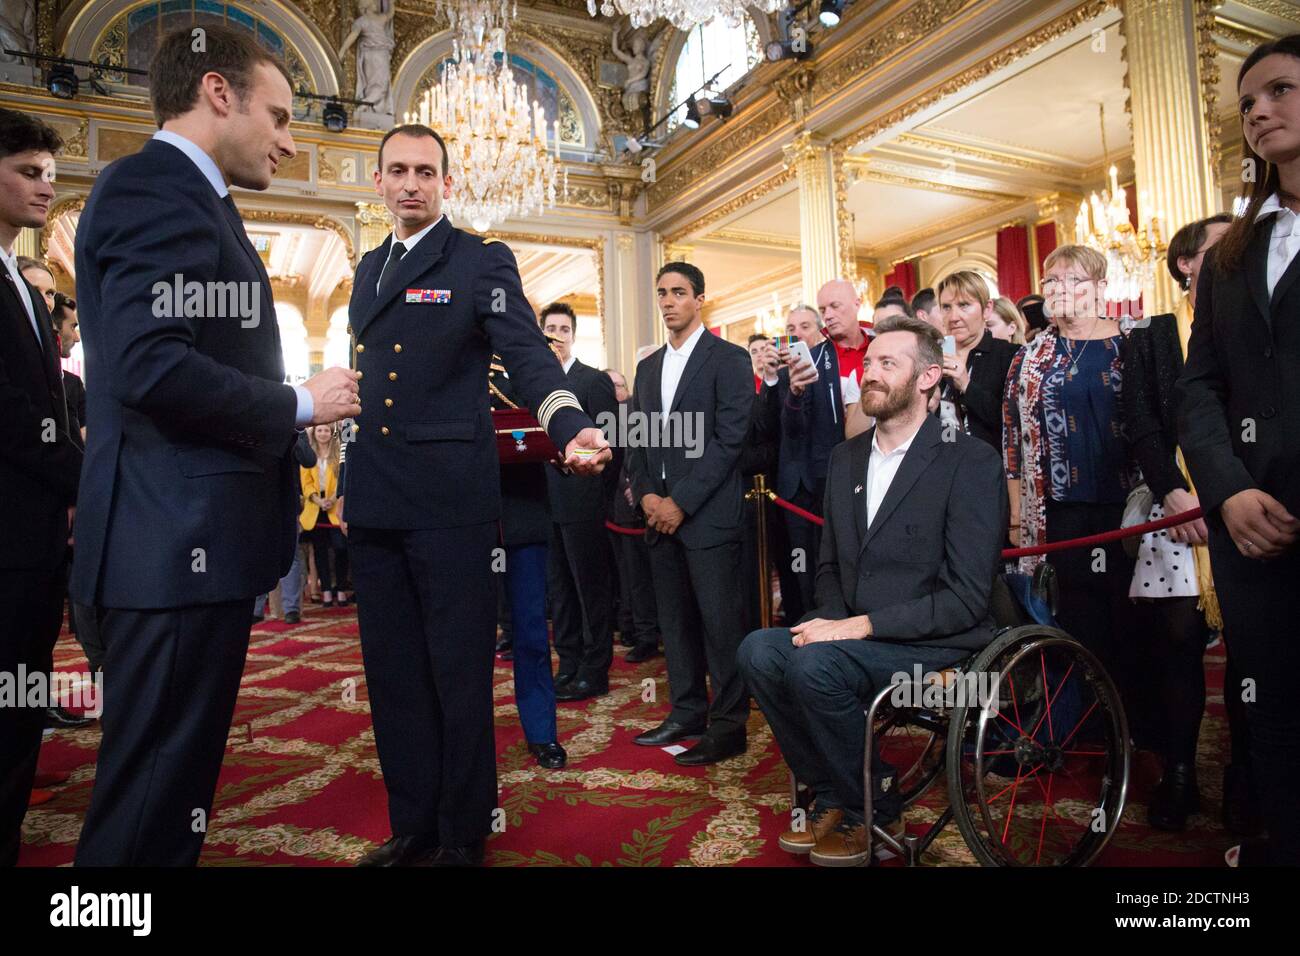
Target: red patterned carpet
{"x":301,"y":783}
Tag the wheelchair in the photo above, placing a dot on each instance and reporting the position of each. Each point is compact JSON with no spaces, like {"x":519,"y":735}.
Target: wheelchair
{"x":1029,"y":734}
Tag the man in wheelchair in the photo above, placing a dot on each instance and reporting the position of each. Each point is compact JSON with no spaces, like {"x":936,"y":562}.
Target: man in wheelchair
{"x":915,"y":518}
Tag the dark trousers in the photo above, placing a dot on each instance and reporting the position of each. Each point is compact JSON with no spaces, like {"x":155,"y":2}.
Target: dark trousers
{"x":701,"y":616}
{"x":638,"y":591}
{"x":534,"y":687}
{"x":799,"y":560}
{"x":31,"y":613}
{"x":1171,"y":649}
{"x":582,"y":599}
{"x":171,"y":679}
{"x":1257,"y":600}
{"x":426,"y":602}
{"x":1094,"y":605}
{"x":325,"y":540}
{"x":815,"y":700}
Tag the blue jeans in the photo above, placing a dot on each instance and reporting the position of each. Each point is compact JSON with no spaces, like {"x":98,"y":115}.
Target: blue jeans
{"x":814,"y":699}
{"x":534,"y":687}
{"x":290,"y":588}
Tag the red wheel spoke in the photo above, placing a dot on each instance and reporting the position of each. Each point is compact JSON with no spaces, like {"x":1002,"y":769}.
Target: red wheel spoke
{"x":1011,"y":810}
{"x":1082,"y":719}
{"x":1052,"y":698}
{"x":1014,"y":705}
{"x":1047,"y":802}
{"x":1047,"y":692}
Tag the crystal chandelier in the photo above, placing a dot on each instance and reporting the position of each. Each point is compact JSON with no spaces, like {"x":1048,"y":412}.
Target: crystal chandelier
{"x":480,"y":26}
{"x":496,"y":142}
{"x":685,"y":15}
{"x":1132,"y":255}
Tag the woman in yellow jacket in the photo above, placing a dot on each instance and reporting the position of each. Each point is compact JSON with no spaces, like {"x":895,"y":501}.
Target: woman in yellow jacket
{"x":319,"y":518}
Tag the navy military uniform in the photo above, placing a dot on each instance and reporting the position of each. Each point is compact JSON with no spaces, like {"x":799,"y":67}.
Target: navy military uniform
{"x":422,"y":503}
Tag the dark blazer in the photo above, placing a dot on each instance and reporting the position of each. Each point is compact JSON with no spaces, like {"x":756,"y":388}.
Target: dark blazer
{"x":717,"y":385}
{"x":190,"y":490}
{"x":424,"y":453}
{"x":1243,"y":370}
{"x":988,"y":364}
{"x":38,"y":478}
{"x":1153,"y":360}
{"x":75,"y":392}
{"x":811,"y":425}
{"x":924,"y":570}
{"x":586,"y":497}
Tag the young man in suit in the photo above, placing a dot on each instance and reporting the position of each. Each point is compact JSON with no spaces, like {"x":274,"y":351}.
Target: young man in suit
{"x":578,"y":573}
{"x":422,"y":496}
{"x":39,"y":465}
{"x":189,"y":497}
{"x":697,"y":393}
{"x":914,"y":525}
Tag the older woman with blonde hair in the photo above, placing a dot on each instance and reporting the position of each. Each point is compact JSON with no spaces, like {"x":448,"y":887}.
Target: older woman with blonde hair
{"x":1006,"y":322}
{"x":1069,"y":469}
{"x":975,"y":375}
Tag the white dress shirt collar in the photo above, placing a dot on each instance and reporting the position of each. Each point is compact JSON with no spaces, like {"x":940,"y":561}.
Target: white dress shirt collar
{"x":411,"y":241}
{"x":1284,"y":242}
{"x":10,"y":261}
{"x":568,"y":363}
{"x":688,"y":346}
{"x":198,"y":157}
{"x":882,"y":467}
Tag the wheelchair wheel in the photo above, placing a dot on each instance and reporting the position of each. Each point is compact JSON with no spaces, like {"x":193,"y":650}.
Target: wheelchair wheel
{"x":911,"y":742}
{"x":1038,"y":766}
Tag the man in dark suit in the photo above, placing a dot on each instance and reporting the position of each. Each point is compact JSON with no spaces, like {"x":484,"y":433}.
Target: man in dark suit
{"x":39,"y":465}
{"x":422,"y":498}
{"x":810,"y":406}
{"x":914,"y":525}
{"x":189,"y":498}
{"x":696,"y":394}
{"x":578,"y":574}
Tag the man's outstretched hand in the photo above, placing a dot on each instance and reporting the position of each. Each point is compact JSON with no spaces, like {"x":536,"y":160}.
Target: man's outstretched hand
{"x":335,"y":395}
{"x":588,"y":452}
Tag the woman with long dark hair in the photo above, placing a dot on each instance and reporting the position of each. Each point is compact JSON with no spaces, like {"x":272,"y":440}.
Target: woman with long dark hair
{"x":1239,"y":429}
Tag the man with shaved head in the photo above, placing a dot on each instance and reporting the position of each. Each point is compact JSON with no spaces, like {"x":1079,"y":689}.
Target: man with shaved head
{"x":838,"y":303}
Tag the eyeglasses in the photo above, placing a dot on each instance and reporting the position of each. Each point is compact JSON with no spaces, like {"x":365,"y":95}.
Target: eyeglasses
{"x":1068,"y":281}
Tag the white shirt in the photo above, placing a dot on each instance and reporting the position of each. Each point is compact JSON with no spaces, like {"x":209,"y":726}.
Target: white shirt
{"x":568,"y":363}
{"x":10,"y":259}
{"x":409,"y":242}
{"x":1285,"y":241}
{"x":674,"y":364}
{"x":881,"y":469}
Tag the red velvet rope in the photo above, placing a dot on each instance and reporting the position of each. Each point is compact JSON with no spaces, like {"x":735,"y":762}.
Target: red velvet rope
{"x":1168,"y":521}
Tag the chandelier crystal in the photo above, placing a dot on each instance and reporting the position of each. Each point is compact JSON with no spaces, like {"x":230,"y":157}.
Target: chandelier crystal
{"x":685,"y":15}
{"x":1133,"y":256}
{"x":496,"y":142}
{"x":480,"y":26}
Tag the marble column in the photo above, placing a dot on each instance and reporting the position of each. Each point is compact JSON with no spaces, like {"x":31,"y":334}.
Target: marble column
{"x":819,"y":233}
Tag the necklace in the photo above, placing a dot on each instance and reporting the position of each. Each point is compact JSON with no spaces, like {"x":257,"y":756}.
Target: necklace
{"x":1069,"y":349}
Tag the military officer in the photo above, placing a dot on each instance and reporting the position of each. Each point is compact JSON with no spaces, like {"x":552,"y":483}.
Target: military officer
{"x":422,"y":499}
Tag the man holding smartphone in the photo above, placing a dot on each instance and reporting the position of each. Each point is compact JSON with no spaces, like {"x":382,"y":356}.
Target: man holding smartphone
{"x":811,"y":409}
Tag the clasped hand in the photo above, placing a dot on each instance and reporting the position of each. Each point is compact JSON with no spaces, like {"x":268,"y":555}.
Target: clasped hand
{"x":819,"y":629}
{"x":662,"y":514}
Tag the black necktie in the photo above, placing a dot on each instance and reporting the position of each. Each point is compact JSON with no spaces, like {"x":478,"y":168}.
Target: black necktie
{"x":390,"y":267}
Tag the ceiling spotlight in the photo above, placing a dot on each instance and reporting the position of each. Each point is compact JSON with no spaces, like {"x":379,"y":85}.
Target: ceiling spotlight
{"x":779,"y":50}
{"x":334,"y":116}
{"x":829,"y":14}
{"x":719,"y":105}
{"x":632,"y":145}
{"x":62,"y":81}
{"x":692,"y":120}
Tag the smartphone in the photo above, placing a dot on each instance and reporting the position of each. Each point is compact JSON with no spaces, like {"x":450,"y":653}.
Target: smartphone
{"x":949,"y":345}
{"x":798,"y":348}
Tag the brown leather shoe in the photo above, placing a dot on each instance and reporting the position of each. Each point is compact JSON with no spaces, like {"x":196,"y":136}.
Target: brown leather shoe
{"x":815,"y":827}
{"x":846,"y":845}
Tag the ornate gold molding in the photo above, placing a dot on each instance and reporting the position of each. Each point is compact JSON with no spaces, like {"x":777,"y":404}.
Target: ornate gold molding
{"x":971,"y":152}
{"x":1207,"y":53}
{"x":1276,"y":8}
{"x":999,"y":61}
{"x":797,"y":90}
{"x":918,"y":21}
{"x":785,"y":175}
{"x":58,"y":209}
{"x":1235,"y":32}
{"x":843,"y":219}
{"x":302,"y":219}
{"x":865,"y":172}
{"x":753,"y":237}
{"x":595,"y":244}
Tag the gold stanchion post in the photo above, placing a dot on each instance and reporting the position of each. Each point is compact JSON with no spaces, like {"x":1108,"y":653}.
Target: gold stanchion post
{"x":759,"y":495}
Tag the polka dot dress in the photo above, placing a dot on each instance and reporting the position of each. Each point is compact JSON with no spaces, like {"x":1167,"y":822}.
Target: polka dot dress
{"x":1165,"y":568}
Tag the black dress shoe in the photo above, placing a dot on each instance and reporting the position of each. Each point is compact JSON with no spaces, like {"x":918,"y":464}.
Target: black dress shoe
{"x":711,"y":750}
{"x":1174,"y":799}
{"x":642,"y":652}
{"x":563,"y":679}
{"x":1241,"y":815}
{"x":551,"y":756}
{"x":60,"y":718}
{"x":504,"y":644}
{"x":669,"y":732}
{"x":469,"y":855}
{"x":402,"y":851}
{"x":292,"y":617}
{"x":626,"y":639}
{"x":581,"y":689}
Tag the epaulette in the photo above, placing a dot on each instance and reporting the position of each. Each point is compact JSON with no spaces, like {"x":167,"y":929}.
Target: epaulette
{"x":490,"y":239}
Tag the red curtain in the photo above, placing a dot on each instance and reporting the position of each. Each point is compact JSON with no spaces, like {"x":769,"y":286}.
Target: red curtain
{"x":1045,"y":237}
{"x":903,"y":276}
{"x":1014,"y":279}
